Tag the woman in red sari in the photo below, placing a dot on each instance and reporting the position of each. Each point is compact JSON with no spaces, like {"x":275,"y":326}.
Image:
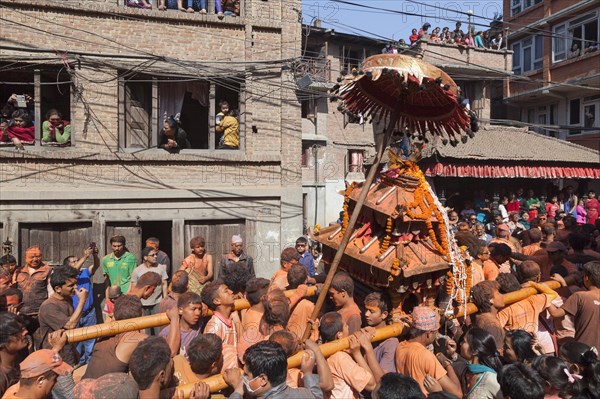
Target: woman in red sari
{"x":513,"y":204}
{"x":21,"y":131}
{"x":593,"y":206}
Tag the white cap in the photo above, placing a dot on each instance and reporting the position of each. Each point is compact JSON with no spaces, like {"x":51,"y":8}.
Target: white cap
{"x":237,"y":239}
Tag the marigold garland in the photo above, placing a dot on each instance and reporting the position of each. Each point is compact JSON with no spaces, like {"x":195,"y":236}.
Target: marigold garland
{"x":386,"y":241}
{"x":346,"y":216}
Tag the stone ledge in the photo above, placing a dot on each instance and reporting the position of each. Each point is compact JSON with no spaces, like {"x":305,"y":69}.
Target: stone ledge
{"x":156,"y":156}
{"x":115,"y":10}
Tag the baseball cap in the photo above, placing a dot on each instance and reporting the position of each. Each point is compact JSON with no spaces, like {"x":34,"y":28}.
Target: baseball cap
{"x":42,"y":361}
{"x":112,"y":385}
{"x":556,"y":246}
{"x":425,"y":318}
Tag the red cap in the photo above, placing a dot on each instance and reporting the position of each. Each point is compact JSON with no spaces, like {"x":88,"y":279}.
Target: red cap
{"x":41,"y":361}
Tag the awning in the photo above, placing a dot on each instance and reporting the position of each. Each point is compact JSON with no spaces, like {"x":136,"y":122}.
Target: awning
{"x":511,"y":171}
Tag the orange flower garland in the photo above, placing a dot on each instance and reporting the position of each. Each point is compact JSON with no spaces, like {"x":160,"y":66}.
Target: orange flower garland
{"x":346,"y":217}
{"x":386,"y":241}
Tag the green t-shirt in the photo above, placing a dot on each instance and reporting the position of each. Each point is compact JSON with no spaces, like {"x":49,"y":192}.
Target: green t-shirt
{"x":119,"y":270}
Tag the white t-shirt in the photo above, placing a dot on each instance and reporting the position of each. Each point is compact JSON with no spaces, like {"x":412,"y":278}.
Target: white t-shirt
{"x":142,"y":269}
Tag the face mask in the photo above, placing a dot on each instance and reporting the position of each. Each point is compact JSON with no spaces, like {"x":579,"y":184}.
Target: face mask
{"x":247,"y":383}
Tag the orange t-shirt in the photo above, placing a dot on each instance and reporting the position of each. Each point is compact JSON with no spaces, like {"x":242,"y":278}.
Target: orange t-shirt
{"x":414,"y":360}
{"x":352,"y":317}
{"x":297,"y":322}
{"x":531,"y":249}
{"x":490,"y":270}
{"x":478,"y":275}
{"x":349,"y":379}
{"x":524,"y":314}
{"x":279,"y":280}
{"x":226,"y":330}
{"x":250,"y":331}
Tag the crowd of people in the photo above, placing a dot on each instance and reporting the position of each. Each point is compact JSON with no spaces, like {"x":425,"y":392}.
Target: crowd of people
{"x":542,"y":346}
{"x":222,"y":7}
{"x":481,"y":39}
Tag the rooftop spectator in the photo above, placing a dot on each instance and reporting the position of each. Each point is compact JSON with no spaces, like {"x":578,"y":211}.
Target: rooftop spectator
{"x":413,"y":36}
{"x":479,"y":40}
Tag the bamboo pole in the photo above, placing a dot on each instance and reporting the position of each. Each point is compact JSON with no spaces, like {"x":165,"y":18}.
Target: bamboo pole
{"x":381,"y":146}
{"x":140,"y":323}
{"x":217,"y":383}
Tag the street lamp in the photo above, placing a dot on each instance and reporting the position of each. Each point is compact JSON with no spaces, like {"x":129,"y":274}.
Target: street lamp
{"x":470,"y":14}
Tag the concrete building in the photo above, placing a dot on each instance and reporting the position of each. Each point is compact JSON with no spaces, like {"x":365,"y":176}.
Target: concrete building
{"x":334,"y":145}
{"x":555,"y":45}
{"x":114,"y":72}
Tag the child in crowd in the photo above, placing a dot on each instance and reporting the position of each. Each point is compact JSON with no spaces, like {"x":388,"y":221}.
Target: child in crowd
{"x":350,"y":371}
{"x":377,"y":314}
{"x":224,"y":321}
{"x":189,"y":306}
{"x":341,"y":294}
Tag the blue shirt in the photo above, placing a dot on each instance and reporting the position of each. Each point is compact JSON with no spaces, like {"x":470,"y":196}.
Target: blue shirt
{"x":84,"y":280}
{"x":307,"y":261}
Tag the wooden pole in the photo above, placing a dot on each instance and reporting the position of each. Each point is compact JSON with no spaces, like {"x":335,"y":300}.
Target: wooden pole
{"x":140,"y":323}
{"x":381,"y":146}
{"x":217,"y":383}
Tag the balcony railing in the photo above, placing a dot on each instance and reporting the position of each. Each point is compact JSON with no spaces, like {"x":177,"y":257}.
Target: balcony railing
{"x":319,"y":69}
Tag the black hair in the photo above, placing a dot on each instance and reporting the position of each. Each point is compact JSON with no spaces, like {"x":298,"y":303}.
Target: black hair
{"x":482,"y":344}
{"x":65,"y":261}
{"x":23,"y":114}
{"x":29,"y":382}
{"x":180,"y":282}
{"x":210,"y":292}
{"x":441,"y":395}
{"x":554,"y":371}
{"x":577,"y":241}
{"x":482,"y":293}
{"x":522,"y":344}
{"x":149,"y":279}
{"x":255,"y":289}
{"x":382,"y":301}
{"x":7,"y":259}
{"x":301,"y":240}
{"x":235,"y":276}
{"x":519,"y":381}
{"x":203,"y":352}
{"x":296,"y":275}
{"x":61,"y":275}
{"x":267,"y":358}
{"x":118,"y":238}
{"x":149,"y":358}
{"x":172,"y":122}
{"x":468,"y":239}
{"x":398,"y":386}
{"x":53,"y":111}
{"x":288,"y":255}
{"x":330,"y":324}
{"x":316,"y":245}
{"x":128,"y":307}
{"x":500,"y":250}
{"x":584,"y":356}
{"x":10,"y":325}
{"x":592,"y":271}
{"x":343,"y":282}
{"x":188,"y":298}
{"x":508,"y":283}
{"x":146,"y":251}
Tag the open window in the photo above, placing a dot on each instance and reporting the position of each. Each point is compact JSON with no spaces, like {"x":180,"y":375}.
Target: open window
{"x":147,"y":102}
{"x":37,"y":92}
